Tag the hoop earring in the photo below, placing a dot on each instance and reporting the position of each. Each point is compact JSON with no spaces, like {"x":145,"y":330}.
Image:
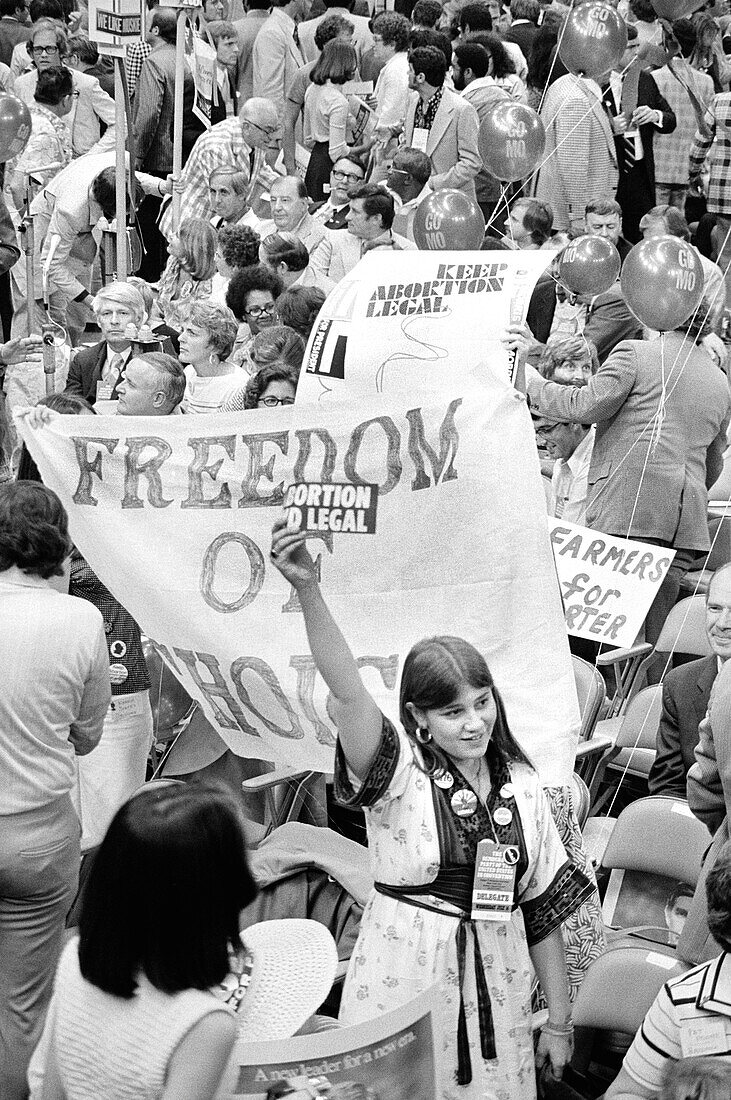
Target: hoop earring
{"x":422,"y":736}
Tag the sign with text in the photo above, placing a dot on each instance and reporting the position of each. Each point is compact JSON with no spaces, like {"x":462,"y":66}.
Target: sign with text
{"x":114,"y":25}
{"x":607,"y":584}
{"x":394,"y":1056}
{"x":312,"y":506}
{"x":175,"y":513}
{"x":403,"y":319}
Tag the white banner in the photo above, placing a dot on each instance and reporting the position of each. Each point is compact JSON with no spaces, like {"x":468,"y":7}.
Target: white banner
{"x":401,"y":320}
{"x":607,"y":583}
{"x":174,"y":514}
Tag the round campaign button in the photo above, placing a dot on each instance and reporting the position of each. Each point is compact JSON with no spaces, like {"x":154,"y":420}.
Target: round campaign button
{"x":117,"y":649}
{"x":503,"y":816}
{"x":511,"y":855}
{"x":445,"y":780}
{"x":464,"y":803}
{"x":506,"y":791}
{"x":118,"y":674}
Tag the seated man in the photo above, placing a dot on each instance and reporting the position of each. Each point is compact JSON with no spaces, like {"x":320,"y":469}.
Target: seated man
{"x":529,"y":225}
{"x":603,"y":218}
{"x":96,"y":371}
{"x":686,"y":691}
{"x":290,"y":214}
{"x":370,"y":220}
{"x":689,"y":1010}
{"x":347,"y":173}
{"x":408,"y":181}
{"x":571,"y":446}
{"x":605,"y":319}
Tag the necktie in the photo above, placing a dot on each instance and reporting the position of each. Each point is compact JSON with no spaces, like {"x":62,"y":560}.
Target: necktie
{"x":114,"y":369}
{"x":629,"y":152}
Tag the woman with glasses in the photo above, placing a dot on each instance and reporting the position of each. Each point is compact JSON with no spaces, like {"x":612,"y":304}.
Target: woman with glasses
{"x":188,"y":274}
{"x":326,"y":116}
{"x":276,"y":356}
{"x":251,"y":297}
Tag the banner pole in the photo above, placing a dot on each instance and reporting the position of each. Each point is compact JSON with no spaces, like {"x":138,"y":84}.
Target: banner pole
{"x":120,"y":171}
{"x":178,"y":113}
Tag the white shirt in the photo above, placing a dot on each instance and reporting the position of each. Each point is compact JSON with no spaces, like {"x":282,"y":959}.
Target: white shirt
{"x":570,"y":483}
{"x":615,"y":84}
{"x":392,"y":92}
{"x":206,"y":395}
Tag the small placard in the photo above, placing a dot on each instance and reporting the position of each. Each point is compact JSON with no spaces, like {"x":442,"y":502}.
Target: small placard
{"x":330,"y":506}
{"x":493,"y":889}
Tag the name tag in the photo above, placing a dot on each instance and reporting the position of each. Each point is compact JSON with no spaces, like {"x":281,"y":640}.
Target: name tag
{"x":420,"y":138}
{"x":706,"y":1035}
{"x":126,"y":706}
{"x":493,"y":889}
{"x":104,"y":391}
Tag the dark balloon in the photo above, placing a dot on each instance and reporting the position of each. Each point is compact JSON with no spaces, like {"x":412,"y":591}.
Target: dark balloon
{"x":169,"y":700}
{"x":589,"y":265}
{"x":15,"y":127}
{"x":676,"y":9}
{"x":511,"y":141}
{"x":449,"y":220}
{"x":662,"y":282}
{"x":594,"y":39}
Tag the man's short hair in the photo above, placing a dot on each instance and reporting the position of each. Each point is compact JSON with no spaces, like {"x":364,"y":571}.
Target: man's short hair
{"x":285,"y":248}
{"x":376,"y":201}
{"x":721,"y":569}
{"x":476,"y":16}
{"x":239,"y":180}
{"x":567,"y":349}
{"x":84,"y":49}
{"x":172,"y":375}
{"x":53,"y":85}
{"x":470,"y":55}
{"x":525,"y":9}
{"x":57,"y":29}
{"x":427,"y":13}
{"x":122,"y":294}
{"x":416,"y":163}
{"x":104,"y":191}
{"x":603,"y":207}
{"x":300,"y":189}
{"x":431,"y":63}
{"x":9,"y":7}
{"x":45,"y":9}
{"x":643,"y":10}
{"x":537,"y":219}
{"x":166,"y":22}
{"x":393,"y":29}
{"x":672,"y":219}
{"x":329,"y":28}
{"x":685,"y":35}
{"x":427,"y":36}
{"x":220,"y":30}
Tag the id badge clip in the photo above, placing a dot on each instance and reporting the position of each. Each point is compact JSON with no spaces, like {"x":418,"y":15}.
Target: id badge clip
{"x":493,"y":889}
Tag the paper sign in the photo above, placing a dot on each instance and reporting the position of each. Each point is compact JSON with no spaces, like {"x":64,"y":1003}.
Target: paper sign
{"x":607,"y":584}
{"x":395,"y":1055}
{"x":361,"y":122}
{"x":114,"y":25}
{"x":344,"y":508}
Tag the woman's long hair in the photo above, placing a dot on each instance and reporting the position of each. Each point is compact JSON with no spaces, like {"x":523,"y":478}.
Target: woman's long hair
{"x":435,"y":671}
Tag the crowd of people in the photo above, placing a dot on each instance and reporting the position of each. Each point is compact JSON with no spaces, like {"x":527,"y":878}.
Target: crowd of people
{"x":331,"y":124}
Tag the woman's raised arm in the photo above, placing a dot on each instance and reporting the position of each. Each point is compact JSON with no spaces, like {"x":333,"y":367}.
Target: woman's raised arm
{"x":357,"y":717}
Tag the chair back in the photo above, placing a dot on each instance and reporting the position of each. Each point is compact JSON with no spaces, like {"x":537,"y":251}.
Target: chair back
{"x":684,"y":630}
{"x":620,"y":986}
{"x":591,"y":693}
{"x":581,"y":799}
{"x":637,"y":736}
{"x":658,"y":835}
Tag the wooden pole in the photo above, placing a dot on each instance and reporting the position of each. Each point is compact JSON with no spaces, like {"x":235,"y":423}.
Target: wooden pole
{"x":120,"y":171}
{"x":178,"y":113}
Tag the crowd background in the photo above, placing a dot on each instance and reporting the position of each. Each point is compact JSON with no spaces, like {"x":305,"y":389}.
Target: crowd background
{"x":334,"y":127}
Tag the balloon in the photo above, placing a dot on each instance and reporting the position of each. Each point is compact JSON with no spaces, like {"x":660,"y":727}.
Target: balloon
{"x":448,"y":220}
{"x":594,"y":39}
{"x":662,"y":282}
{"x":511,"y":141}
{"x":169,"y":700}
{"x":676,"y":9}
{"x":589,"y":265}
{"x":15,"y":127}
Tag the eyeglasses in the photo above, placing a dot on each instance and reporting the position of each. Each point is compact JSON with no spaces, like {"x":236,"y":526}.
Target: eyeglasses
{"x":268,"y":131}
{"x":45,"y":49}
{"x":260,"y":311}
{"x":338,"y":175}
{"x":272,"y":402}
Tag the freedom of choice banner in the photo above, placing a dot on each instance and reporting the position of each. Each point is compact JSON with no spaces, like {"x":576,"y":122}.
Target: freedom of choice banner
{"x":175,"y":513}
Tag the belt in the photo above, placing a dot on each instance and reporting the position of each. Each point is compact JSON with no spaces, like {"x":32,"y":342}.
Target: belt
{"x":454,"y":884}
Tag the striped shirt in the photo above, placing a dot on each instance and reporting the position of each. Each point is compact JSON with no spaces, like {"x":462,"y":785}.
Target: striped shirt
{"x":691,"y":1015}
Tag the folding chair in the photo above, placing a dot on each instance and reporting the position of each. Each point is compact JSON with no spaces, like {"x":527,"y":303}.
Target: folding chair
{"x":628,"y":747}
{"x":684,"y":631}
{"x":591,"y":693}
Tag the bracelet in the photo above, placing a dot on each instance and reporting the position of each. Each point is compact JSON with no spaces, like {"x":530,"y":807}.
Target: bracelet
{"x":562,"y":1031}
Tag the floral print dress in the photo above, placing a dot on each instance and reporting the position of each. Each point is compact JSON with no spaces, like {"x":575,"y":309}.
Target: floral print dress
{"x":406,"y":946}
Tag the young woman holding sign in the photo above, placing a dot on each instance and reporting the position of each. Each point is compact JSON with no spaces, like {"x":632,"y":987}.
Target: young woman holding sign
{"x":472,"y":881}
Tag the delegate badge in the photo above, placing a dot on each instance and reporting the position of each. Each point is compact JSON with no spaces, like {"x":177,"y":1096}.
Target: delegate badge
{"x":493,"y":888}
{"x":464,"y":803}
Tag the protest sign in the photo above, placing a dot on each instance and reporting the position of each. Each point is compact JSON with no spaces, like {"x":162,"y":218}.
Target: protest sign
{"x":607,"y":583}
{"x":174,"y":514}
{"x":312,"y":506}
{"x":394,"y":1057}
{"x":114,"y":25}
{"x":201,"y":59}
{"x":402,"y":319}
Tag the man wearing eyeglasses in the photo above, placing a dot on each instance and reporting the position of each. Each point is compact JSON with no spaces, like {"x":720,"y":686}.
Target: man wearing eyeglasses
{"x":571,"y":446}
{"x":91,"y":107}
{"x":247,"y":144}
{"x":332,"y":213}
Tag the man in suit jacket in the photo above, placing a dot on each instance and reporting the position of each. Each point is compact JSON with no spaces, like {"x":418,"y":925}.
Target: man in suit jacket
{"x":685,"y":694}
{"x":608,"y":318}
{"x":580,"y":160}
{"x":524,"y":26}
{"x":362,"y":38}
{"x":92,"y":105}
{"x":648,"y":480}
{"x":441,"y":124}
{"x":14,"y":27}
{"x":637,"y":111}
{"x":247,"y":29}
{"x":276,"y":54}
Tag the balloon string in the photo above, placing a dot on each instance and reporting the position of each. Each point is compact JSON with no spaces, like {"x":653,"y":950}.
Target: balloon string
{"x":502,"y":201}
{"x":556,"y":52}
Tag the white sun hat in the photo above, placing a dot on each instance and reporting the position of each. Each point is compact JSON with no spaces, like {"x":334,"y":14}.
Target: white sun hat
{"x":293,"y":969}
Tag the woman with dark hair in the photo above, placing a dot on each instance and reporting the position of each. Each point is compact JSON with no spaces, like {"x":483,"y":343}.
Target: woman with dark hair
{"x":133,"y":1010}
{"x":237,"y":247}
{"x":188,"y":272}
{"x":502,"y":66}
{"x":326,"y":114}
{"x":276,"y":357}
{"x":251,"y":296}
{"x":64,"y":403}
{"x":298,"y":307}
{"x":55,"y":694}
{"x":468,"y":862}
{"x":543,"y":65}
